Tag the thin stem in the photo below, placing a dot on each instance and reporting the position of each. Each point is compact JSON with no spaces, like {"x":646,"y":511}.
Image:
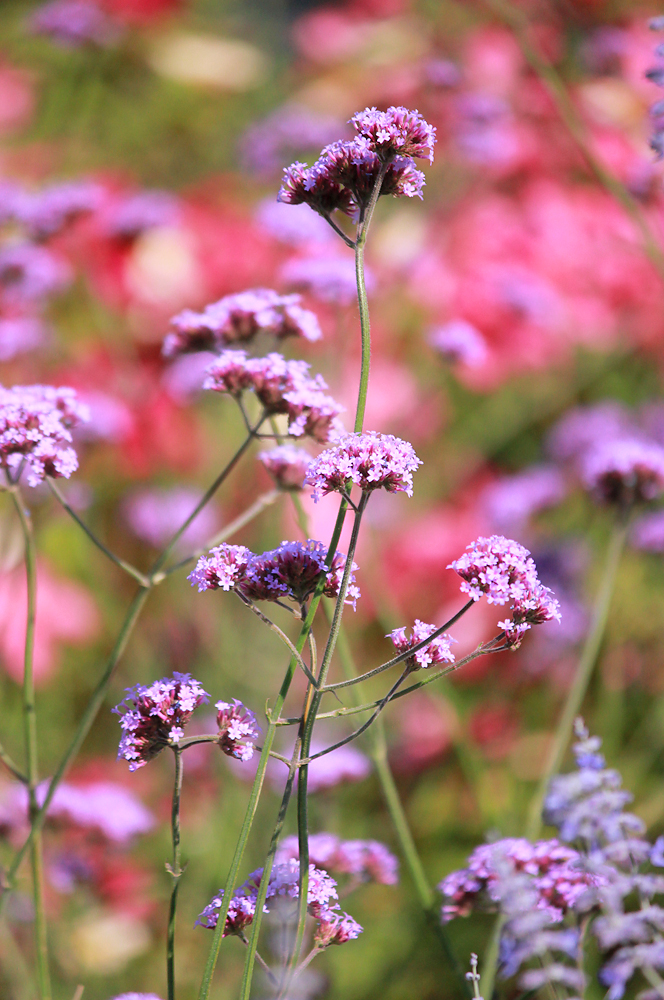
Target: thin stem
{"x":423,"y":890}
{"x":127,"y":567}
{"x":347,"y":240}
{"x":175,"y":871}
{"x":205,"y":499}
{"x":583,"y":674}
{"x":402,"y":656}
{"x":83,"y":728}
{"x":31,"y":745}
{"x":263,"y":964}
{"x":576,"y":128}
{"x":12,"y":767}
{"x":264,"y":501}
{"x":282,"y":635}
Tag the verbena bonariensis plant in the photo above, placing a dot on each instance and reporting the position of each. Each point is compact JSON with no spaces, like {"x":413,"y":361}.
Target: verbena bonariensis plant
{"x":280,"y":400}
{"x":564,"y":902}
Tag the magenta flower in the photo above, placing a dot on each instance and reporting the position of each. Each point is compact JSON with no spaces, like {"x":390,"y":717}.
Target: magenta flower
{"x":238,"y":729}
{"x":335,"y":927}
{"x":136,"y":213}
{"x":20,"y":334}
{"x":342,"y":765}
{"x":395,"y":132}
{"x":73,"y":23}
{"x":35,"y":431}
{"x":282,"y":387}
{"x":624,"y":471}
{"x":371,"y":461}
{"x":284,"y":879}
{"x":136,"y":996}
{"x":558,"y":877}
{"x":459,"y":342}
{"x":238,"y":319}
{"x":364,"y":860}
{"x":437,"y":651}
{"x":290,"y":571}
{"x":29,"y":272}
{"x":47,"y":212}
{"x":317,"y":189}
{"x":287,"y":465}
{"x":154,"y":717}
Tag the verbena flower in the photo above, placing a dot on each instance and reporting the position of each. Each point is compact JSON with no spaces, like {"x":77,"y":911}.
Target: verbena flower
{"x":460,"y":342}
{"x":287,"y":465}
{"x":154,"y":717}
{"x":20,"y":334}
{"x":624,"y":472}
{"x":512,"y":500}
{"x":45,"y":213}
{"x":238,"y":319}
{"x":371,"y":461}
{"x":136,"y":213}
{"x":35,"y":431}
{"x":238,"y":729}
{"x":282,"y":387}
{"x":329,"y":277}
{"x":656,"y":75}
{"x":335,"y":928}
{"x":347,"y":763}
{"x":648,"y":532}
{"x":558,"y":880}
{"x":365,"y":860}
{"x":72,"y":23}
{"x":101,"y":805}
{"x":29,"y":272}
{"x":284,"y":879}
{"x":437,"y":651}
{"x":290,"y":571}
{"x":503,"y":571}
{"x":584,"y":427}
{"x":136,"y":996}
{"x":395,"y":132}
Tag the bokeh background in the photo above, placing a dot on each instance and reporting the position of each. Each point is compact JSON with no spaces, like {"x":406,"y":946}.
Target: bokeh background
{"x":182,"y":115}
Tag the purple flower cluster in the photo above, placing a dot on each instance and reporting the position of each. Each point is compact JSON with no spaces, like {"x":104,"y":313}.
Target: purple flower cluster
{"x":436,"y":652}
{"x":282,"y":387}
{"x":395,"y":132}
{"x":329,"y":277}
{"x":35,"y":431}
{"x":238,"y":319}
{"x":346,"y":763}
{"x":371,"y":461}
{"x":460,"y":342}
{"x":46,"y":212}
{"x":19,"y":334}
{"x":29,"y":273}
{"x":292,"y":127}
{"x":558,"y":877}
{"x":290,"y":571}
{"x":287,"y":465}
{"x":141,"y":211}
{"x":512,"y":500}
{"x":656,"y":75}
{"x":238,"y":729}
{"x":624,"y":472}
{"x":333,"y":927}
{"x":503,"y":570}
{"x":73,"y":23}
{"x":136,"y":996}
{"x":364,"y":860}
{"x":154,"y":717}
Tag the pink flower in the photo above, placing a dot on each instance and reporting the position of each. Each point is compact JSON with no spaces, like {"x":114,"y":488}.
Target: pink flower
{"x":624,"y":471}
{"x":371,"y":461}
{"x":287,"y":465}
{"x":238,"y":729}
{"x":395,"y":132}
{"x":35,"y":431}
{"x":436,"y":652}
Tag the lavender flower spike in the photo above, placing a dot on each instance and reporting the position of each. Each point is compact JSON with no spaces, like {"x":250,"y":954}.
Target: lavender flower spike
{"x":371,"y":461}
{"x":437,"y":651}
{"x":395,"y":132}
{"x":238,"y":729}
{"x":154,"y":717}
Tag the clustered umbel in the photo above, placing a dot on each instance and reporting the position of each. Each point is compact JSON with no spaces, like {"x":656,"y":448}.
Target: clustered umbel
{"x":282,"y":387}
{"x":287,"y":465}
{"x":291,"y":571}
{"x":332,"y":925}
{"x":371,"y":461}
{"x":154,"y":717}
{"x":503,"y":571}
{"x":598,"y":882}
{"x":238,"y":729}
{"x":240,"y":318}
{"x":438,"y":651}
{"x":35,"y":431}
{"x":624,"y":472}
{"x":344,"y":175}
{"x":363,"y":860}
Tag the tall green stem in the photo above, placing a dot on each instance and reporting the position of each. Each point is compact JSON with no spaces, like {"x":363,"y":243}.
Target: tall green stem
{"x":583,"y":674}
{"x":31,"y":746}
{"x":363,"y":301}
{"x":175,"y":871}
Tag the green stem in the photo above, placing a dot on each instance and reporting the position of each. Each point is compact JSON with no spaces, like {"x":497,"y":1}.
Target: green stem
{"x":175,"y":871}
{"x":12,"y":767}
{"x":363,"y":301}
{"x":127,"y":567}
{"x":282,"y":635}
{"x":583,"y":674}
{"x":423,"y":890}
{"x":31,"y":746}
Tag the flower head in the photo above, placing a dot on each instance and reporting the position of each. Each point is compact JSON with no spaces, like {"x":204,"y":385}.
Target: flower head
{"x":291,"y":571}
{"x":366,"y":860}
{"x":624,"y":471}
{"x":141,"y":211}
{"x":287,"y":465}
{"x":47,"y":212}
{"x":282,"y":387}
{"x":395,"y":132}
{"x":371,"y":461}
{"x":437,"y":651}
{"x":72,"y":23}
{"x":459,"y":342}
{"x":35,"y":431}
{"x":29,"y":272}
{"x":238,"y":319}
{"x":335,"y":927}
{"x":154,"y":717}
{"x":238,"y":729}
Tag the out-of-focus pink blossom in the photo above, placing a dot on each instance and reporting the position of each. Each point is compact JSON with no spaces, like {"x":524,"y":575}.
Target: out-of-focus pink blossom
{"x":20,"y":334}
{"x":154,"y":515}
{"x":624,"y":471}
{"x":329,"y":277}
{"x":102,"y":805}
{"x":111,"y":419}
{"x":367,"y":860}
{"x":347,"y":764}
{"x":459,"y":342}
{"x":293,"y":224}
{"x":648,"y":532}
{"x":29,"y":273}
{"x":287,"y":465}
{"x":512,"y":500}
{"x":72,"y":23}
{"x":66,"y":614}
